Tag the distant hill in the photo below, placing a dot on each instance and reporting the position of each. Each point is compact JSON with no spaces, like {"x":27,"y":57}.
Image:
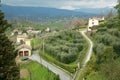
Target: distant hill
{"x":40,"y":13}
{"x":99,"y":11}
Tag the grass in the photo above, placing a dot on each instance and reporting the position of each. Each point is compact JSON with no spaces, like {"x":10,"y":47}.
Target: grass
{"x":38,"y":72}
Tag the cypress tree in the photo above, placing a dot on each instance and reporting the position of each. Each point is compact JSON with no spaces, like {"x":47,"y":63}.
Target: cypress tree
{"x":8,"y":68}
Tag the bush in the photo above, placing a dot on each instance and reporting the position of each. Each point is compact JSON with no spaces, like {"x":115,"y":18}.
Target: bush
{"x":57,"y":77}
{"x":67,"y":67}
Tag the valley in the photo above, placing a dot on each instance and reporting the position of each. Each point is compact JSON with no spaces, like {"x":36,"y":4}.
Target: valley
{"x":55,"y":42}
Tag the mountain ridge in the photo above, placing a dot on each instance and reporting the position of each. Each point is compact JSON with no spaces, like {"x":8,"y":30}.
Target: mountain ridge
{"x":41,"y":13}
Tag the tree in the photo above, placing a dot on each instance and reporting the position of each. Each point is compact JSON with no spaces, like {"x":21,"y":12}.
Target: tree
{"x":76,"y":22}
{"x":108,"y":55}
{"x":118,"y":8}
{"x":111,"y":70}
{"x":8,"y":68}
{"x":110,"y":14}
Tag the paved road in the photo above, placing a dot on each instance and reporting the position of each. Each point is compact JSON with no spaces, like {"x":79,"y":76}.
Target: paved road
{"x":89,"y":53}
{"x":62,"y":74}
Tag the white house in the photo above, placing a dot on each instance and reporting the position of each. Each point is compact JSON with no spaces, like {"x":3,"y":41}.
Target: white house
{"x":24,"y":50}
{"x":93,"y":22}
{"x":27,"y":42}
{"x":47,"y":30}
{"x":24,"y":39}
{"x":33,"y":31}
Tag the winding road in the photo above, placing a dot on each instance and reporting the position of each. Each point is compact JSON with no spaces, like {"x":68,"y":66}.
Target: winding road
{"x":56,"y":70}
{"x":89,"y":53}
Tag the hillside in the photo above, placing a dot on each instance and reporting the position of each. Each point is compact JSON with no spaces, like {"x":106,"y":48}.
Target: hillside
{"x":105,"y":61}
{"x":40,"y":13}
{"x":99,"y":11}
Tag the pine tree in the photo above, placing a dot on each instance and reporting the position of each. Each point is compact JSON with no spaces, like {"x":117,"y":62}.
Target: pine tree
{"x":8,"y":68}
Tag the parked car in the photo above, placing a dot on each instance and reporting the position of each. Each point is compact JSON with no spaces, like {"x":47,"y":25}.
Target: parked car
{"x":25,"y":58}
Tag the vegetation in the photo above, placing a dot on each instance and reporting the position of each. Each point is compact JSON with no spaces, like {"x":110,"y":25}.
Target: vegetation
{"x":64,"y":46}
{"x":21,"y":25}
{"x":118,"y":8}
{"x":78,"y":23}
{"x":104,"y":64}
{"x":69,"y":67}
{"x":35,"y":43}
{"x":38,"y":72}
{"x":8,"y":68}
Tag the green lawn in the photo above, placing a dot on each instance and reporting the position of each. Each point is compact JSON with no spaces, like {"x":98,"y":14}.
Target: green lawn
{"x":38,"y":72}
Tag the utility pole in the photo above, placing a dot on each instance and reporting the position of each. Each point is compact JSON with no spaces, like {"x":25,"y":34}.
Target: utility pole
{"x":43,"y":45}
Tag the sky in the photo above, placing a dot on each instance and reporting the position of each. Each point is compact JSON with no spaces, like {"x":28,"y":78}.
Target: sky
{"x":63,"y":4}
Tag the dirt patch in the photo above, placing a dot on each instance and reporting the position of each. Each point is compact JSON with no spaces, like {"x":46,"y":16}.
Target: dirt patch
{"x":18,"y":60}
{"x":24,"y":73}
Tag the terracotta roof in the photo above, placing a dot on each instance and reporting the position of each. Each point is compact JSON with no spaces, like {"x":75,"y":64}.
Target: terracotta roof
{"x":24,"y":46}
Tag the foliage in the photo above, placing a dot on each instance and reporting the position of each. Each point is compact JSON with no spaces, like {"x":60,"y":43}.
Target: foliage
{"x":77,"y":23}
{"x":8,"y":68}
{"x":57,"y":77}
{"x":111,"y":70}
{"x":107,"y":50}
{"x":35,"y":43}
{"x":64,"y":46}
{"x":94,"y":76}
{"x":68,"y":67}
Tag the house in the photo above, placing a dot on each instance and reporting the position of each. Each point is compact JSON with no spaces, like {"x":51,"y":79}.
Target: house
{"x":20,"y":38}
{"x":27,"y":42}
{"x":19,"y":32}
{"x":33,"y":31}
{"x":93,"y":22}
{"x":24,"y":39}
{"x":24,"y":50}
{"x":47,"y":29}
{"x":15,"y":31}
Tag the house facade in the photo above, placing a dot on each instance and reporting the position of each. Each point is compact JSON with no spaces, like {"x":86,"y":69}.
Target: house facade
{"x":93,"y":22}
{"x":20,"y":38}
{"x":24,"y":50}
{"x":27,"y":42}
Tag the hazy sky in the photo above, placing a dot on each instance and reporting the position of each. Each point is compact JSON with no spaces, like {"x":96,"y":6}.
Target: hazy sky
{"x":63,"y":4}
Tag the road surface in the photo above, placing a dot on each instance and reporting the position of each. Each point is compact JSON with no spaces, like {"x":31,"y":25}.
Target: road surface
{"x":61,"y":73}
{"x":89,"y":53}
